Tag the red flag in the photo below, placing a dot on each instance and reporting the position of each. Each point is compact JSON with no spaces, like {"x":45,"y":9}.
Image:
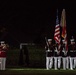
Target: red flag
{"x":63,"y":25}
{"x":57,"y":32}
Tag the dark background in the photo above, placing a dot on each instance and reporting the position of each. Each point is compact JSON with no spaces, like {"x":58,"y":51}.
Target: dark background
{"x":31,"y":21}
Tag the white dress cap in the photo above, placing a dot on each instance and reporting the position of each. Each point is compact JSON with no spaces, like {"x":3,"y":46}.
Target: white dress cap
{"x":49,"y":39}
{"x":63,"y":40}
{"x":72,"y":40}
{"x":2,"y":41}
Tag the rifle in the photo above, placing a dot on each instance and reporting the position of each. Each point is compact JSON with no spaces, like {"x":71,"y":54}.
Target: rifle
{"x":47,"y":43}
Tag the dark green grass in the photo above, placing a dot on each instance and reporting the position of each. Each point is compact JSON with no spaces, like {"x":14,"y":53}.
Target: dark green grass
{"x":36,"y":59}
{"x":35,"y":71}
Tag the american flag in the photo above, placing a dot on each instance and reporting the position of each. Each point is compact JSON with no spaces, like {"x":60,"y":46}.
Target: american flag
{"x":57,"y":32}
{"x":63,"y":25}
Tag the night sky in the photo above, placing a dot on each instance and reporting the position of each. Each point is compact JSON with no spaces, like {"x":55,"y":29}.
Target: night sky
{"x":31,"y":21}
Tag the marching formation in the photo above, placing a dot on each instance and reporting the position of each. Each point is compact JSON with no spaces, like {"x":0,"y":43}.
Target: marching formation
{"x":60,"y":59}
{"x":61,"y":54}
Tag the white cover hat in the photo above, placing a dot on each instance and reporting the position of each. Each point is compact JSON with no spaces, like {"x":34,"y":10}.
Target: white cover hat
{"x":2,"y":42}
{"x":49,"y":39}
{"x":63,"y":40}
{"x":72,"y":40}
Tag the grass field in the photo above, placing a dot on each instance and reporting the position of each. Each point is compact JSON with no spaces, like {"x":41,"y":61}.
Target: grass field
{"x":36,"y":71}
{"x":36,"y":59}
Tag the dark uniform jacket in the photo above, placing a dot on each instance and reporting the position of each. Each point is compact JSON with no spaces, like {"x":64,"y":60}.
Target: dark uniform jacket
{"x":72,"y":50}
{"x":49,"y":51}
{"x":56,"y":54}
{"x":63,"y":51}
